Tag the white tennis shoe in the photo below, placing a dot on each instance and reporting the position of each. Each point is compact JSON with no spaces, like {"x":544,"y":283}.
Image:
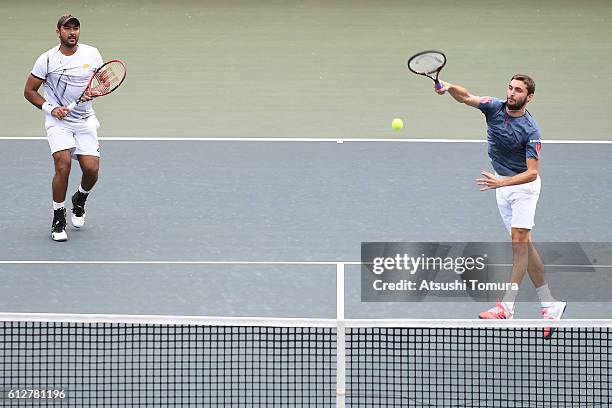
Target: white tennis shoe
{"x":77,"y":222}
{"x":553,"y":312}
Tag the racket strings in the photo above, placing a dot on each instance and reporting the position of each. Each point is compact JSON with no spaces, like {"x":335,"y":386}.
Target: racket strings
{"x":107,"y":78}
{"x":427,"y":63}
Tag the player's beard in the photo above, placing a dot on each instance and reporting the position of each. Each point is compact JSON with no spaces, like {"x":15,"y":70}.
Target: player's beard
{"x":67,"y":43}
{"x":517,"y":105}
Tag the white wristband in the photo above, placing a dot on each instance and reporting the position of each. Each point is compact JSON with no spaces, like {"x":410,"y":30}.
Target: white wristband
{"x":47,"y":107}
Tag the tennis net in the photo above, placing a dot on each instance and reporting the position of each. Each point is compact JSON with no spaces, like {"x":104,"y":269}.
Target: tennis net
{"x":137,"y":361}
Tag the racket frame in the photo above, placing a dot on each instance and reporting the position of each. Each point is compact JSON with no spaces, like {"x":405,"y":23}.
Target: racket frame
{"x":429,"y":74}
{"x":75,"y":103}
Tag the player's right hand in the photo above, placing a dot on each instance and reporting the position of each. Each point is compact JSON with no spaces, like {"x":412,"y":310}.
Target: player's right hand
{"x":442,"y":90}
{"x":60,"y":113}
{"x":86,"y":97}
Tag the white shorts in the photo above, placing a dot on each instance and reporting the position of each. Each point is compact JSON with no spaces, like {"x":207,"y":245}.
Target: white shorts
{"x":80,"y":138}
{"x":517,"y":204}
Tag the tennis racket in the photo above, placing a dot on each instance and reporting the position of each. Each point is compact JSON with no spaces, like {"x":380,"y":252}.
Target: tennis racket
{"x":429,"y":64}
{"x":104,"y":80}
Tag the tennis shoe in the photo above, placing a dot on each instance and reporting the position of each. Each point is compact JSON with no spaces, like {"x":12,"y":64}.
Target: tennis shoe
{"x":78,"y":209}
{"x":553,"y":312}
{"x":499,"y":311}
{"x":58,"y":227}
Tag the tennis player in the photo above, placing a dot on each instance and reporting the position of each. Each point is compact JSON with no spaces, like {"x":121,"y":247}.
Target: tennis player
{"x":72,"y":134}
{"x":514,"y":144}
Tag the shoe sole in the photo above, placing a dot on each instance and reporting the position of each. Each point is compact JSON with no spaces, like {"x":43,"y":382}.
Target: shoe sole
{"x":60,"y":239}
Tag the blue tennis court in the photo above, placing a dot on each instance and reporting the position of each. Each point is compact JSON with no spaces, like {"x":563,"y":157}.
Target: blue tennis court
{"x":164,"y":206}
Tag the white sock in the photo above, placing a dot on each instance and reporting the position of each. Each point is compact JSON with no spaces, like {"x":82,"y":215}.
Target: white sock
{"x":82,"y":190}
{"x":57,"y":206}
{"x":509,"y":299}
{"x":546,"y":298}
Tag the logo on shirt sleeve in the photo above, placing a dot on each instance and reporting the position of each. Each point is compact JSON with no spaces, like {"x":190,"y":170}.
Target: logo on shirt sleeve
{"x":86,"y":66}
{"x":538,"y":146}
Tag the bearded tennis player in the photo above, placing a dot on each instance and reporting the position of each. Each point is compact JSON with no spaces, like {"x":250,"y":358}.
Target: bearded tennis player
{"x":72,"y":134}
{"x":514,"y":147}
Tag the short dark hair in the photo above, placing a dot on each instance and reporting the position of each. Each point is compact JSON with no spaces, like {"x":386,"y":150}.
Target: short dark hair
{"x":527,"y":80}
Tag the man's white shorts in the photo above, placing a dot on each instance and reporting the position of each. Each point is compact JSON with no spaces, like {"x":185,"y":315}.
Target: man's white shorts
{"x":80,"y":138}
{"x":517,"y":204}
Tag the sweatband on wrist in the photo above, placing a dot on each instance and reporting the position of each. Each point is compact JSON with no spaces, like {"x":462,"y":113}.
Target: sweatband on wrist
{"x":47,"y":107}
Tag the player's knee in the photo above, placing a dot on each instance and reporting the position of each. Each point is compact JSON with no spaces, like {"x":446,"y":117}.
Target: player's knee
{"x":91,"y":169}
{"x":520,"y":235}
{"x":62,"y":167}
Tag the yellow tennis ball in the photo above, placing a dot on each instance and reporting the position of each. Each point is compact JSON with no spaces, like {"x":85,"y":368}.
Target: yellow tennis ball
{"x":397,"y":124}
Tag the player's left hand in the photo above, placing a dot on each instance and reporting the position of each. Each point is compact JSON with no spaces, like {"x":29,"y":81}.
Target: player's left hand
{"x":490,"y":182}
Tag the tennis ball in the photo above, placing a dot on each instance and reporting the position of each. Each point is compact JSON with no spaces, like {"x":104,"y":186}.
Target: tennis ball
{"x":397,"y":124}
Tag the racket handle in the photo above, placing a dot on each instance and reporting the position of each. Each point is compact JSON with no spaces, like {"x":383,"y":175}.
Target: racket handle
{"x":72,"y":105}
{"x":439,"y":86}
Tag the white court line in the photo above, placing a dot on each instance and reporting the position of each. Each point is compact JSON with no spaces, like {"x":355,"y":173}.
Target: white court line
{"x":55,"y":262}
{"x":289,"y":139}
{"x":162,"y":262}
{"x":561,"y":266}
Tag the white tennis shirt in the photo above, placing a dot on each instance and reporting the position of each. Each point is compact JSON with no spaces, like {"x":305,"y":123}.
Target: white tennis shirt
{"x":66,"y":77}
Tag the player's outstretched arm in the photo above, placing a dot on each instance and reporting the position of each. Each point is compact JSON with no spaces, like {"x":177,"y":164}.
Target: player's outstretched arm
{"x":459,"y":93}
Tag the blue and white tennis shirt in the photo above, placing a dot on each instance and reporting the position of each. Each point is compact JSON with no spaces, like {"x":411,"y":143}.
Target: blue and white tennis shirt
{"x":511,"y":140}
{"x":67,"y":76}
